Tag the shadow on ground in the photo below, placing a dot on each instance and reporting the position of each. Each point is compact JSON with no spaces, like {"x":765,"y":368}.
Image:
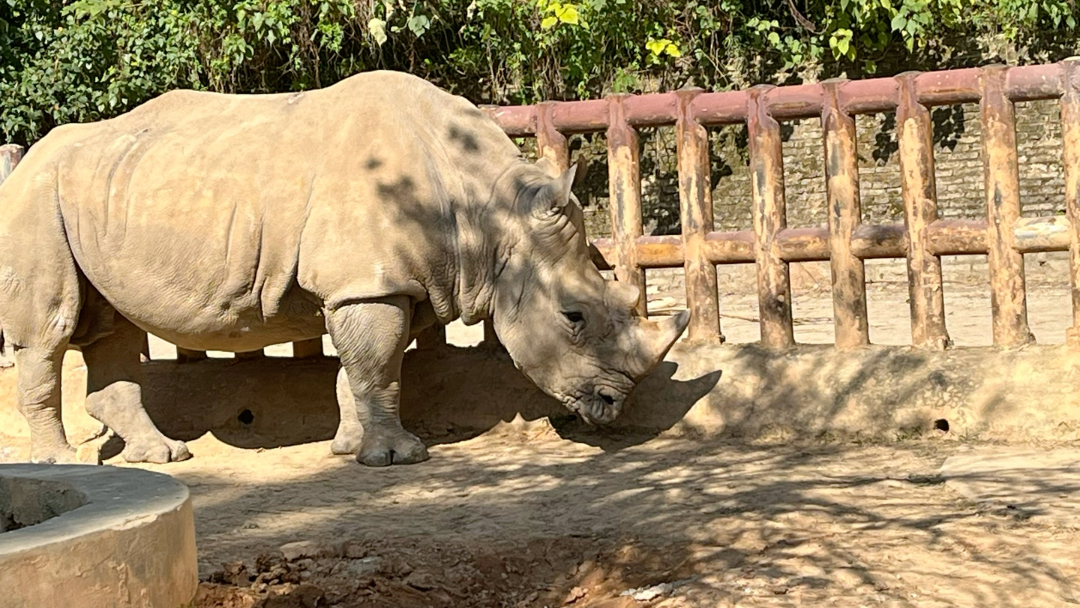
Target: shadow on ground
{"x":448,"y":395}
{"x":499,"y":521}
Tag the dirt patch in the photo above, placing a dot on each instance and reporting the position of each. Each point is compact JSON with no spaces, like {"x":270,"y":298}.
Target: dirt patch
{"x":1020,"y":482}
{"x":405,"y":573}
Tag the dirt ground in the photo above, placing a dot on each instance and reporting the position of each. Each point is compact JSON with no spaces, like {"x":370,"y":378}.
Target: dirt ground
{"x":521,"y":516}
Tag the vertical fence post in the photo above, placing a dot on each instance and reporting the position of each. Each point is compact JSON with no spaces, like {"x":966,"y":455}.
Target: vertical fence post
{"x":10,"y":155}
{"x":770,"y":217}
{"x":696,"y":214}
{"x":919,"y":191}
{"x":845,"y":213}
{"x":550,"y":143}
{"x":1070,"y":135}
{"x":1001,"y":172}
{"x":624,"y":190}
{"x":434,"y":337}
{"x":184,"y":355}
{"x":307,"y":349}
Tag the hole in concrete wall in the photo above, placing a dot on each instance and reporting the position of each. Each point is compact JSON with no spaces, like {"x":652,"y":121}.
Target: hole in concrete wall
{"x":27,"y":502}
{"x":246,"y":417}
{"x":941,"y":425}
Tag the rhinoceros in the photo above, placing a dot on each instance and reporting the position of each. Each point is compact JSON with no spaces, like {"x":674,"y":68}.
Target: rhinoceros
{"x":370,"y":210}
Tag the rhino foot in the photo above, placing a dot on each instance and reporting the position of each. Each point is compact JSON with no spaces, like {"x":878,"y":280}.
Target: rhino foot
{"x":159,"y":451}
{"x":56,"y":455}
{"x":343,"y":445}
{"x":380,"y":449}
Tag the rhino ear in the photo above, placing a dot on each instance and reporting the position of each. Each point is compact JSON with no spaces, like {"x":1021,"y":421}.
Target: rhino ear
{"x":556,"y":194}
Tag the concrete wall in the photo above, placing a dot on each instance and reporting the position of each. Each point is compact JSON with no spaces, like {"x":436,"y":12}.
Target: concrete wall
{"x":740,"y":391}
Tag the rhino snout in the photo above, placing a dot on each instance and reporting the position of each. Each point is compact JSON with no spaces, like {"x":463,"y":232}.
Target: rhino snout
{"x":600,"y":408}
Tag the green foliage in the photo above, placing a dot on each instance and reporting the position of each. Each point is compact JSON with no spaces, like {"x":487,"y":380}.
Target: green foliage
{"x":79,"y":60}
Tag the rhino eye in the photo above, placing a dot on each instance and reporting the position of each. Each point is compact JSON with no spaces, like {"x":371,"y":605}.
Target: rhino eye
{"x":574,"y":317}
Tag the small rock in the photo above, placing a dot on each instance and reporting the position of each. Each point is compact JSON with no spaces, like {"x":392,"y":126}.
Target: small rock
{"x":575,"y":594}
{"x":307,"y":548}
{"x":359,"y":568}
{"x":645,"y":594}
{"x":355,"y":550}
{"x":420,"y":580}
{"x":305,"y":564}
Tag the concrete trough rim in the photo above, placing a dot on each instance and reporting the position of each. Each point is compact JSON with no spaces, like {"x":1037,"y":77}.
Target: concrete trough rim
{"x":115,"y":498}
{"x":131,"y":544}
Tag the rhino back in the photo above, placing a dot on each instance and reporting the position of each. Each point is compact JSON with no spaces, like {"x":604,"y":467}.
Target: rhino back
{"x":208,"y":214}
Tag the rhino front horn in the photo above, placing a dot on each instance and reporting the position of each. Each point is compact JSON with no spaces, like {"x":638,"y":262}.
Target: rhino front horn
{"x":657,"y":338}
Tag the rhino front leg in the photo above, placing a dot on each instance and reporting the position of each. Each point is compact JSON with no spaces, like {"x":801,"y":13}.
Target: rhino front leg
{"x":349,"y":432}
{"x":114,"y":396}
{"x":370,"y":337}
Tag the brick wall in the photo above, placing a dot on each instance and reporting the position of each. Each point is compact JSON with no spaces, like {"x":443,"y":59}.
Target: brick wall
{"x":958,"y":168}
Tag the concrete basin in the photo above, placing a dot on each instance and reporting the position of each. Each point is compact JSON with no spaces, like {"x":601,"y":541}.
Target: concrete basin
{"x":94,"y":537}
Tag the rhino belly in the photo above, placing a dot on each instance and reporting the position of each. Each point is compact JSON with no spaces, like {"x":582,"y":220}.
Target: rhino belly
{"x":231,"y":326}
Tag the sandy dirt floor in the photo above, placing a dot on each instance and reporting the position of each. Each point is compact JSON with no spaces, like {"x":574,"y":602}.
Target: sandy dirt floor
{"x":520,"y":516}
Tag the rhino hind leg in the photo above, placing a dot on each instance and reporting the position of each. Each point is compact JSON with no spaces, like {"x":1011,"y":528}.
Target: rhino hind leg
{"x":370,"y":337}
{"x":114,"y":395}
{"x":39,"y":403}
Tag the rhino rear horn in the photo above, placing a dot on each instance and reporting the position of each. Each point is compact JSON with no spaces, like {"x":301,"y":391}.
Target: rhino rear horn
{"x":621,"y":296}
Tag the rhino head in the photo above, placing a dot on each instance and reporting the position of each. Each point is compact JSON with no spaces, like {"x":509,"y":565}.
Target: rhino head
{"x":573,"y":333}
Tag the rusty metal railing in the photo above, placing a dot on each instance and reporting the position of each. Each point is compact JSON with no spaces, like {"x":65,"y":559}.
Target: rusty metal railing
{"x":845,"y":242}
{"x":1004,"y":236}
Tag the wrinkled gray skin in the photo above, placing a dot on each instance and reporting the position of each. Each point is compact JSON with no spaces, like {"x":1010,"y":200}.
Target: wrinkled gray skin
{"x":371,"y":210}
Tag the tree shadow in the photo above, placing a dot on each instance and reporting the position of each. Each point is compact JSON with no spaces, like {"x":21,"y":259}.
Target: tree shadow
{"x":725,"y":522}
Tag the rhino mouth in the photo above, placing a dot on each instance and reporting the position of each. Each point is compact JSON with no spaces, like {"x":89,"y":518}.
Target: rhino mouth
{"x":598,"y":409}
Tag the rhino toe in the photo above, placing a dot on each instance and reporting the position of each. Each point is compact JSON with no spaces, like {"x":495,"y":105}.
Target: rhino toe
{"x":345,"y":444}
{"x":156,"y":452}
{"x":384,"y":450}
{"x":55,"y":455}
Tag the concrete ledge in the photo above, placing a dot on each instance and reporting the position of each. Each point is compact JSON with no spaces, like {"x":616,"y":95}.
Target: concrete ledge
{"x":130,"y":543}
{"x":881,"y":392}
